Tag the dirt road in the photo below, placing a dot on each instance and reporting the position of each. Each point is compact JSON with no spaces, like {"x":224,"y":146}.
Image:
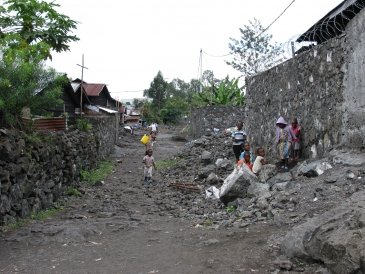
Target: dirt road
{"x":118,"y":228}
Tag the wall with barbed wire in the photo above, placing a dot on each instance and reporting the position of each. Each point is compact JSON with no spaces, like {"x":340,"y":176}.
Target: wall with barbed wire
{"x":322,"y":87}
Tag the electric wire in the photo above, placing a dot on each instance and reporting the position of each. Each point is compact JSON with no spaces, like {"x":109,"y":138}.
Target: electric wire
{"x":275,"y":19}
{"x":224,"y":55}
{"x":128,"y":91}
{"x":216,"y":56}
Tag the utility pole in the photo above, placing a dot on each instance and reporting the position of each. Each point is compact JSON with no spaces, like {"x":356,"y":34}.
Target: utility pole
{"x":292,"y":48}
{"x":82,"y":82}
{"x":201,"y":70}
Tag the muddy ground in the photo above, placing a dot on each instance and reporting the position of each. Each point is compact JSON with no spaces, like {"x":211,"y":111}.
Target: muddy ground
{"x":118,"y":228}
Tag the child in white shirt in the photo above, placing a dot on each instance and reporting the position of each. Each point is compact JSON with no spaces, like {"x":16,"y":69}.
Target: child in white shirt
{"x":259,"y":161}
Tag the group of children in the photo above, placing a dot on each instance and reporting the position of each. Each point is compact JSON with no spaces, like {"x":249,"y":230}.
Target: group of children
{"x":253,"y":162}
{"x":287,"y":143}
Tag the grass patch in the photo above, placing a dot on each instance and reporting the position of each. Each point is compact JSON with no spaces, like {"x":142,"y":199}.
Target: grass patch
{"x":165,"y":164}
{"x":72,"y":191}
{"x":96,"y":175}
{"x":41,"y":215}
{"x":45,"y":214}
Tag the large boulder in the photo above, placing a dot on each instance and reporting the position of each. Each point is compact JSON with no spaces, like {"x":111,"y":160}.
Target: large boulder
{"x":236,"y":184}
{"x":336,"y":238}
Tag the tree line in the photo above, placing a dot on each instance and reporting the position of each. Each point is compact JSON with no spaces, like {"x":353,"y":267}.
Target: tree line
{"x":31,"y":29}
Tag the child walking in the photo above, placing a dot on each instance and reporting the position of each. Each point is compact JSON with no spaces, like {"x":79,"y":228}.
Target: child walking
{"x":284,"y":139}
{"x":149,"y":164}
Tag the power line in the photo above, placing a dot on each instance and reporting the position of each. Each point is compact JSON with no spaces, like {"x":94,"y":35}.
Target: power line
{"x":224,"y":55}
{"x":218,"y":56}
{"x":275,"y":19}
{"x":128,"y":91}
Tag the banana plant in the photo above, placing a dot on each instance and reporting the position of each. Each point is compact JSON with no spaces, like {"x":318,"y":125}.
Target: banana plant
{"x":226,"y":93}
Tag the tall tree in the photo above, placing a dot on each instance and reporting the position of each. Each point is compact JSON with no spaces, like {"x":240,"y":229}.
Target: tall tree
{"x":26,"y":84}
{"x":157,"y":90}
{"x":29,"y":30}
{"x":254,"y":52}
{"x":36,"y":23}
{"x":208,"y":78}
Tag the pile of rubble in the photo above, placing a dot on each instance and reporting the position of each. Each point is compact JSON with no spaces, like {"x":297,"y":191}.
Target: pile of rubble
{"x":285,"y":197}
{"x":307,"y":196}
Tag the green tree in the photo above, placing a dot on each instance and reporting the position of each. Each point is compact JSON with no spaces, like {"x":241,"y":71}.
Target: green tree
{"x":150,"y":113}
{"x":27,"y":84}
{"x":254,"y":52}
{"x":208,"y":79}
{"x":36,"y":23}
{"x":157,"y":91}
{"x":137,"y":103}
{"x":173,"y":110}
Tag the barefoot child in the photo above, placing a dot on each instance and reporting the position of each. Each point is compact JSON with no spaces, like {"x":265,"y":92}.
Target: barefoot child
{"x":284,"y":139}
{"x":260,"y":160}
{"x":296,"y":142}
{"x":149,"y":163}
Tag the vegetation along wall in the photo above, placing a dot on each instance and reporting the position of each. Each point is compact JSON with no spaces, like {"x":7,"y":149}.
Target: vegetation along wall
{"x":35,"y":170}
{"x":322,"y":87}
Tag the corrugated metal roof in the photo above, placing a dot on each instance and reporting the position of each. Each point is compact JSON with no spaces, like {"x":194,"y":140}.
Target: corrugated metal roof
{"x":108,"y":110}
{"x":93,"y":89}
{"x":93,"y":108}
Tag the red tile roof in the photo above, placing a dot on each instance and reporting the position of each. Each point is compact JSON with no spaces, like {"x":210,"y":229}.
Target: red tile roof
{"x":93,"y":89}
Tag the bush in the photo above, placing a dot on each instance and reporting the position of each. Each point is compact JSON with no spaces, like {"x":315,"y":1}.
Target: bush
{"x":83,"y":125}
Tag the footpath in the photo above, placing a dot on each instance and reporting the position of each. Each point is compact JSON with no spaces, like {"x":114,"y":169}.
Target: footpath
{"x":117,"y":227}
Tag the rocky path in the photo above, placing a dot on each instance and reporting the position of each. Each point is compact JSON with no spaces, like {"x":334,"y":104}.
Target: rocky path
{"x":118,"y":228}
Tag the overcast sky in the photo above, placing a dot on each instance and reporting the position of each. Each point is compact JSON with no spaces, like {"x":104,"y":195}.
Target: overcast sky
{"x":126,"y":43}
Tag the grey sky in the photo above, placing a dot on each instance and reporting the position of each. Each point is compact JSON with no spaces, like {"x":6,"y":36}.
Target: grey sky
{"x":126,"y":43}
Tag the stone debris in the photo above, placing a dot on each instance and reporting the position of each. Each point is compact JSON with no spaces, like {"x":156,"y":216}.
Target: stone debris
{"x":307,"y":191}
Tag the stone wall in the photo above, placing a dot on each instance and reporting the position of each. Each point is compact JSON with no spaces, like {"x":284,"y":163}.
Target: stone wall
{"x":35,"y":170}
{"x":308,"y":87}
{"x":323,"y":87}
{"x":353,"y":121}
{"x":221,"y":117}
